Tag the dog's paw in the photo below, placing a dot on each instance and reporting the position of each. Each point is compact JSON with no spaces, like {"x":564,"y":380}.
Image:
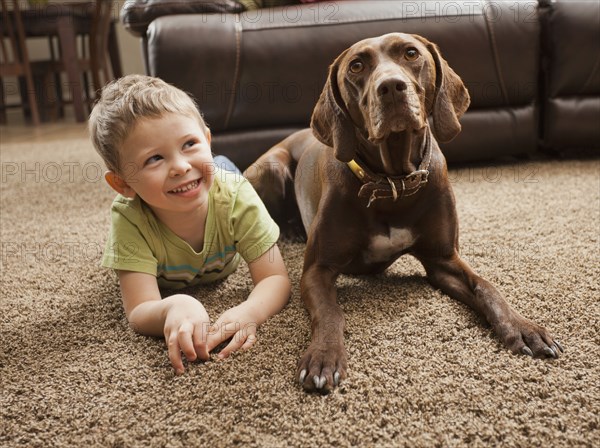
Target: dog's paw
{"x":322,"y":367}
{"x":527,"y":338}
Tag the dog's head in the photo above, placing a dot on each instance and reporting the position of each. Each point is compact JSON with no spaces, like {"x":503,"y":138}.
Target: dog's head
{"x":386,"y":85}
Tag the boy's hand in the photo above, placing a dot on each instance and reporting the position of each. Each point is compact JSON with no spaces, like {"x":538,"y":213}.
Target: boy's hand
{"x":186,"y":330}
{"x":270,"y":294}
{"x":237,"y":323}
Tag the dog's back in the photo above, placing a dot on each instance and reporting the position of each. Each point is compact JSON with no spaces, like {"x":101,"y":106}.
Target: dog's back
{"x":272,"y":176}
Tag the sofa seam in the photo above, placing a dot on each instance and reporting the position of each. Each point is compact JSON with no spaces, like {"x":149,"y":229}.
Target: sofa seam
{"x":493,"y":44}
{"x":349,"y":21}
{"x":140,"y":24}
{"x":236,"y":72}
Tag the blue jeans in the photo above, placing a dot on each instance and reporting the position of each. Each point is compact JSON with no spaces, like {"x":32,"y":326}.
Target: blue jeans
{"x":225,"y":164}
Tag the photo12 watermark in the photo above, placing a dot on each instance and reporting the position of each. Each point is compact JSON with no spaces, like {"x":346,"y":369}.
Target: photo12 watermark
{"x":51,"y":172}
{"x":50,"y":252}
{"x":494,"y":174}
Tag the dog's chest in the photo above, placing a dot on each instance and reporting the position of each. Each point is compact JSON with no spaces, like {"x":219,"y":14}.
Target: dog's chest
{"x":384,"y":247}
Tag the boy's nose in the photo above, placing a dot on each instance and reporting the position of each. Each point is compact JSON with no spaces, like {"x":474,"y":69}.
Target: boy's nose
{"x":180,"y":166}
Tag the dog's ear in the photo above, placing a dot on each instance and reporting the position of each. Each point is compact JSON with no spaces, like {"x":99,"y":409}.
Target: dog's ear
{"x":330,"y":122}
{"x":451,"y":98}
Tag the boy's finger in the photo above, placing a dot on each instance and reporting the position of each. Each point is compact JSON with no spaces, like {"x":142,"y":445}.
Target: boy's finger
{"x":184,"y":338}
{"x":214,"y":338}
{"x":250,"y":340}
{"x":220,"y":332}
{"x":235,"y":344}
{"x":200,"y":341}
{"x":174,"y":353}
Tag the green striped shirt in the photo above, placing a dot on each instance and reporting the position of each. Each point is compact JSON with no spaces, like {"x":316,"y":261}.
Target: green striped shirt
{"x":237,"y":225}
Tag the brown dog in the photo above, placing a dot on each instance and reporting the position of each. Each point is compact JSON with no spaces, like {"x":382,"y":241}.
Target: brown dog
{"x":373,"y":186}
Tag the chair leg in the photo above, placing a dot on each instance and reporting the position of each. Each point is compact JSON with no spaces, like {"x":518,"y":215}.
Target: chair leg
{"x":24,"y":98}
{"x":3,"y":119}
{"x":39,"y":83}
{"x":52,"y":101}
{"x":33,"y":107}
{"x":60,"y":106}
{"x":86,"y":78}
{"x":20,"y":60}
{"x":96,"y":80}
{"x":29,"y":98}
{"x":66,"y":36}
{"x":115,"y":55}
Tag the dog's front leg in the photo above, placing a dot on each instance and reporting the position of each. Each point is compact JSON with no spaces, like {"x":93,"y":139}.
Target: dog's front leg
{"x":324,"y":363}
{"x":456,"y":278}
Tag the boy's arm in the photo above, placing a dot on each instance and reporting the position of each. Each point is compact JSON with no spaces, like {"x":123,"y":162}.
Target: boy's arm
{"x":180,"y":318}
{"x":271,"y":285}
{"x":270,"y":294}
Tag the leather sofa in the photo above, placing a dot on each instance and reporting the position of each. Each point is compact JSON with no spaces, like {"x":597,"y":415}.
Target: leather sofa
{"x":570,"y":104}
{"x":532,"y":67}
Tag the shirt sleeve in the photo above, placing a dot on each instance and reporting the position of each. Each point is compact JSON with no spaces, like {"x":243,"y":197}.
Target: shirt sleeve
{"x":126,"y":248}
{"x":255,"y":232}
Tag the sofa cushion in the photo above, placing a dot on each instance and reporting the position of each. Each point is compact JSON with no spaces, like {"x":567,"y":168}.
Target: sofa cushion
{"x":136,"y":15}
{"x":572,"y":113}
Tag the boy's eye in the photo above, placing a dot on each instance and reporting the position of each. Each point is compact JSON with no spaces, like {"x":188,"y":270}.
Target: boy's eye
{"x":189,"y":143}
{"x":153,"y":159}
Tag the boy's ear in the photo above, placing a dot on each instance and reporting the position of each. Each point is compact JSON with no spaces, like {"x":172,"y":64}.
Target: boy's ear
{"x":118,"y":184}
{"x":208,"y":135}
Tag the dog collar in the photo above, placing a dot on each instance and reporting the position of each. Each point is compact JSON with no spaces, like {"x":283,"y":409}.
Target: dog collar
{"x":377,"y":186}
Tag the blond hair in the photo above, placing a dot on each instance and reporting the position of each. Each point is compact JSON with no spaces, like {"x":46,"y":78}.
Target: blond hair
{"x":124,"y":102}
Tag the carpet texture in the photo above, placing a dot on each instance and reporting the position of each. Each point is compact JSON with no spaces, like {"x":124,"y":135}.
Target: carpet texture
{"x":423,"y":370}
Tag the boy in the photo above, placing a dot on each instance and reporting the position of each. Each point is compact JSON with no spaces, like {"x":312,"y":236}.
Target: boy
{"x":178,"y":220}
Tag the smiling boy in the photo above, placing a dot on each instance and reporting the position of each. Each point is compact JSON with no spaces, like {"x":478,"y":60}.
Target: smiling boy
{"x":179,"y":220}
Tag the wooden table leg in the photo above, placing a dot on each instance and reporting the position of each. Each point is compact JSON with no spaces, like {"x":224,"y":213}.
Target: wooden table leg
{"x":68,"y":46}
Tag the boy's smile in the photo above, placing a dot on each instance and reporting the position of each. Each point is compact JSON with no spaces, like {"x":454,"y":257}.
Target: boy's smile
{"x":167,"y":162}
{"x":187,"y":190}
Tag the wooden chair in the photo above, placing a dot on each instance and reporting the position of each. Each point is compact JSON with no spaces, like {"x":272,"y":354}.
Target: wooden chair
{"x":15,"y":60}
{"x":90,"y":22}
{"x":95,"y":58}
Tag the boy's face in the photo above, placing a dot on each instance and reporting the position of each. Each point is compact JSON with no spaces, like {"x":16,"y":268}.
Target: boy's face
{"x":167,"y":161}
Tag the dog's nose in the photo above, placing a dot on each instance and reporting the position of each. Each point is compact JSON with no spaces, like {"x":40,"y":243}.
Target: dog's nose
{"x":391,"y":87}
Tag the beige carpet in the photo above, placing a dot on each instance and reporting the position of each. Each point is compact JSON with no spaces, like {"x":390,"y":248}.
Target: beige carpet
{"x":423,"y":370}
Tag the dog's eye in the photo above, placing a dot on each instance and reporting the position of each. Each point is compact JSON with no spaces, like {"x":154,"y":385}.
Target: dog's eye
{"x":356,"y":66}
{"x":411,"y":54}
